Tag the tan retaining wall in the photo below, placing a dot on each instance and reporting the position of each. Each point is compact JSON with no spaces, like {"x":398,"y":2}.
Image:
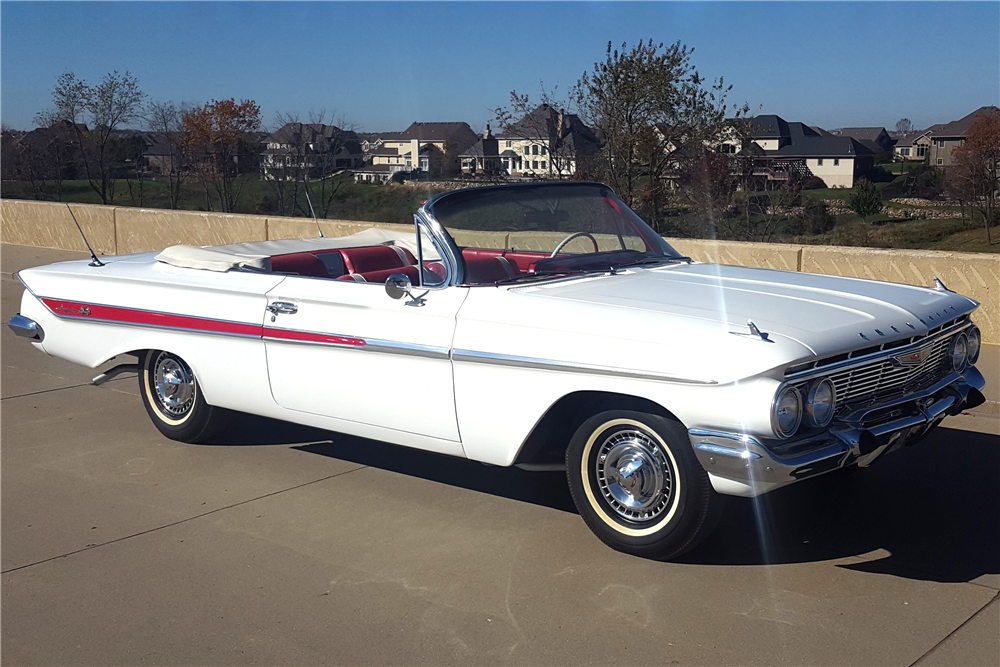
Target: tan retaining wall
{"x":121,"y":230}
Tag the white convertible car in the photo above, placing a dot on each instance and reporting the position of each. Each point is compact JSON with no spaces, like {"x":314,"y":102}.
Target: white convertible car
{"x":540,"y":325}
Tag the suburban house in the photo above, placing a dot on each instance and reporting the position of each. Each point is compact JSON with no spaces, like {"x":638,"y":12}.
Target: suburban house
{"x":547,"y":142}
{"x":300,"y":150}
{"x":875,"y":139}
{"x":914,"y":145}
{"x":950,"y":136}
{"x":780,"y":149}
{"x":436,"y":145}
{"x":483,"y":158}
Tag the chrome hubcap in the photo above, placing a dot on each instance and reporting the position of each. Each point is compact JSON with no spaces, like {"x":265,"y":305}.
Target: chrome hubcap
{"x":634,"y":476}
{"x":174,"y":385}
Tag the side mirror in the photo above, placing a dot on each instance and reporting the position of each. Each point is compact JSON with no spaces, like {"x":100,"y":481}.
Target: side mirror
{"x":398,"y":285}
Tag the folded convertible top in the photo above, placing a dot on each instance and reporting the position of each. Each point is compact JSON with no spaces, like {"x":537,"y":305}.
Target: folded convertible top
{"x":257,"y":254}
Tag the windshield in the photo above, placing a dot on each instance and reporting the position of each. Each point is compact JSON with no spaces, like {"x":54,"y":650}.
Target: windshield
{"x":523,"y":232}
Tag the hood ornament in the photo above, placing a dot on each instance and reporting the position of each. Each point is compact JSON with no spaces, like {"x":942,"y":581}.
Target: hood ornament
{"x":939,"y":286}
{"x":754,"y":332}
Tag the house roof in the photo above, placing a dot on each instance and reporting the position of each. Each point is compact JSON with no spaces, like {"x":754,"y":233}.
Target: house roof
{"x":768,"y":126}
{"x":959,"y":128}
{"x":863,"y":133}
{"x":374,"y":168}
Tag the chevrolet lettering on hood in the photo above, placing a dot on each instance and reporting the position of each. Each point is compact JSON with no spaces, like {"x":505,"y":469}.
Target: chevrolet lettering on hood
{"x":542,"y":325}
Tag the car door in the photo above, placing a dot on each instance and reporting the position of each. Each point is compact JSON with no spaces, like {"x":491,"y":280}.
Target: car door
{"x":347,"y":350}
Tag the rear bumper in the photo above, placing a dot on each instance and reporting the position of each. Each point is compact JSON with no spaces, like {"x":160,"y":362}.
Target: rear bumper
{"x":26,"y":328}
{"x":742,"y":465}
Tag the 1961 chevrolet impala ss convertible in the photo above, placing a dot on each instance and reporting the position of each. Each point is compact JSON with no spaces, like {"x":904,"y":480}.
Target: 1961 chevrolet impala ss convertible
{"x":540,"y":325}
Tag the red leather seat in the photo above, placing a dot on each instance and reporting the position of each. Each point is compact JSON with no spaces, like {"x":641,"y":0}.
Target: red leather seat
{"x":376,"y":258}
{"x":301,"y":263}
{"x":383,"y":275}
{"x":489,"y":270}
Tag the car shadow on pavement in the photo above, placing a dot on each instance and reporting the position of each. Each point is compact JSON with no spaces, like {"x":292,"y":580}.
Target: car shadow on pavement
{"x":548,"y":489}
{"x":931,"y":512}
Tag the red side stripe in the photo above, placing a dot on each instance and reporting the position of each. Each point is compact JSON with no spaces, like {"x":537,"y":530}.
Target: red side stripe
{"x":286,"y":334}
{"x":86,"y":311}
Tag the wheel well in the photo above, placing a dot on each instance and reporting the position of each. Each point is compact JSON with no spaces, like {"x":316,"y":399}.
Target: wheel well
{"x":547,"y":442}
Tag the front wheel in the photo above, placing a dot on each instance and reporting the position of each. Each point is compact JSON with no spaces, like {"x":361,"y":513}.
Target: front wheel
{"x":173,"y":400}
{"x":638,"y":485}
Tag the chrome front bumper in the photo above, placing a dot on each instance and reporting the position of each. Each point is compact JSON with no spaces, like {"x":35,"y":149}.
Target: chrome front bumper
{"x":26,"y":328}
{"x":739,"y":464}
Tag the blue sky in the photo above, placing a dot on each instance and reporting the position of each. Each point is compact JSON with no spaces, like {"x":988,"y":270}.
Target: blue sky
{"x":383,"y":65}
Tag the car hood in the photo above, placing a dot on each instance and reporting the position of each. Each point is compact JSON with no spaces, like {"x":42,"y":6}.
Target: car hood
{"x":825,"y":314}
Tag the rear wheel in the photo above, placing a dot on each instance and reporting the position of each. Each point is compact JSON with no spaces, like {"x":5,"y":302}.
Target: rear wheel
{"x":638,"y":485}
{"x":173,"y":400}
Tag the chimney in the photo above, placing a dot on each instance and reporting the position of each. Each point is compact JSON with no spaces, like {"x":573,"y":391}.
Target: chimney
{"x":487,"y":134}
{"x":415,"y":153}
{"x":561,"y":126}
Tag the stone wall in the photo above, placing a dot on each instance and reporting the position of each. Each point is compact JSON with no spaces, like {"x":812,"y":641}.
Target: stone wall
{"x":121,"y":230}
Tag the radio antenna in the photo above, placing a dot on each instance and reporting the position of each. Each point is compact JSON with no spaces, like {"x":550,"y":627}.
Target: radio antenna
{"x":96,"y":261}
{"x":318,"y":228}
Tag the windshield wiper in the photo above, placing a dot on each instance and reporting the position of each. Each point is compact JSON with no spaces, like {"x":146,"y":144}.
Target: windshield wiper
{"x":654,"y":260}
{"x":554,"y":274}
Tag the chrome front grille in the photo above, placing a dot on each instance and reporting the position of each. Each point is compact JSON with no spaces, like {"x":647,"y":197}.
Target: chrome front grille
{"x":883,"y":380}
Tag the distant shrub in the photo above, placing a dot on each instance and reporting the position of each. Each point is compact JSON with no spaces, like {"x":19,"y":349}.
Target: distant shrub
{"x":816,"y":218}
{"x":865,"y":199}
{"x":813,"y":183}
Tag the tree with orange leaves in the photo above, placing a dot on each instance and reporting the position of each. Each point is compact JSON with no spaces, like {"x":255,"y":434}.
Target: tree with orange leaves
{"x":222,"y":148}
{"x":977,"y":168}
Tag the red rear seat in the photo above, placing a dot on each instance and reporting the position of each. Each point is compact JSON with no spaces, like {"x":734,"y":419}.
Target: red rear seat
{"x":302,"y":263}
{"x":382,"y":276}
{"x":376,"y":258}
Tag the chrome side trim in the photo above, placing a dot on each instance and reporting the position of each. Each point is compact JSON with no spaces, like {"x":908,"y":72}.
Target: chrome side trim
{"x":370,"y":345}
{"x":63,"y":316}
{"x":25,"y":327}
{"x":490,"y":358}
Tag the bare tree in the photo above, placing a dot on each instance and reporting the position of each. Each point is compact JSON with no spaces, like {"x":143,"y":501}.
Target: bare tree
{"x":106,"y":107}
{"x":904,"y":126}
{"x":165,"y":123}
{"x":654,"y":112}
{"x":542,"y":128}
{"x":311,"y":158}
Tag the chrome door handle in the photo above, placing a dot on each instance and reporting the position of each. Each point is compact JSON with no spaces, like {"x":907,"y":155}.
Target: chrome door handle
{"x":277,"y":307}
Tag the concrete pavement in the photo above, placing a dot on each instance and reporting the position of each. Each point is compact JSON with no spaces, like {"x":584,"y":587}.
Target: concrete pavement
{"x":296,"y":546}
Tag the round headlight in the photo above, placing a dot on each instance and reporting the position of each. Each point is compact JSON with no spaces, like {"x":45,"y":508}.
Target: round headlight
{"x":975,"y":342}
{"x":821,"y":401}
{"x":786,"y":411}
{"x":959,"y":352}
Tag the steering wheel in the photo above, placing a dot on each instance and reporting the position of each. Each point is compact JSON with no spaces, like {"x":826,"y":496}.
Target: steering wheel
{"x":570,"y":238}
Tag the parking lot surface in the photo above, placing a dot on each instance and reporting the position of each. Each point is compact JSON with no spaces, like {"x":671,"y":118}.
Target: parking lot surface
{"x":289,"y":546}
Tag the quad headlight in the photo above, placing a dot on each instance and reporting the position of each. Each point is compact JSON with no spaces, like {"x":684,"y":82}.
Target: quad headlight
{"x":975,"y":342}
{"x":958,"y":350}
{"x":786,"y":411}
{"x":821,"y":402}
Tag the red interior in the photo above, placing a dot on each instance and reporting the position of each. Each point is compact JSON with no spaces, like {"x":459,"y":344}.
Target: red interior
{"x":374,"y":264}
{"x":485,"y":266}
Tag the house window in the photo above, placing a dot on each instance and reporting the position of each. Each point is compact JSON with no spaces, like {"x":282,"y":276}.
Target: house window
{"x":527,"y":151}
{"x":543,"y":150}
{"x":534,"y":150}
{"x":940,"y":161}
{"x":905,"y":152}
{"x":921,"y":151}
{"x":509,"y":144}
{"x":544,"y":165}
{"x":836,"y":162}
{"x":819,"y":162}
{"x":534,"y":164}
